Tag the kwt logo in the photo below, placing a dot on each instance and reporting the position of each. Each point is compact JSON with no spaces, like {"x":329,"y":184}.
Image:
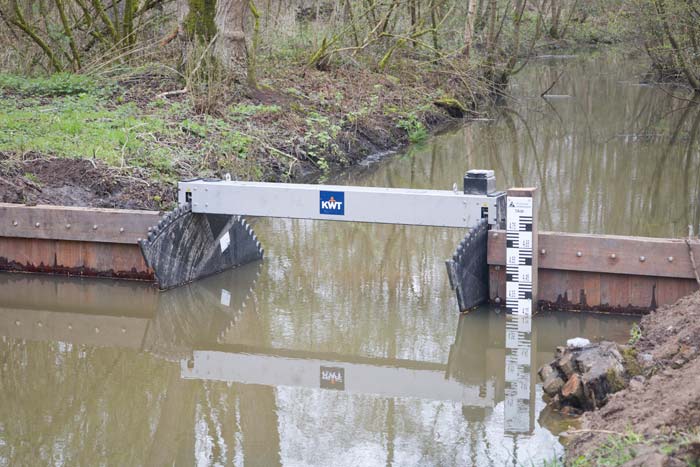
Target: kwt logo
{"x":333,"y":378}
{"x":332,"y":202}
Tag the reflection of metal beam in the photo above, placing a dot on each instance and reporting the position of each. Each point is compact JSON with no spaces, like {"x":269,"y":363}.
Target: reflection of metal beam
{"x":365,"y":377}
{"x":327,"y":356}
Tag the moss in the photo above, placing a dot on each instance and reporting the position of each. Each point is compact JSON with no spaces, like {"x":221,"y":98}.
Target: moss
{"x":199,"y":21}
{"x":629,"y":356}
{"x":616,"y":382}
{"x":454,"y":107}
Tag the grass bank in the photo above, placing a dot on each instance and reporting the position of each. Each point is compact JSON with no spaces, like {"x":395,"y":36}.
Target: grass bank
{"x":134,"y":127}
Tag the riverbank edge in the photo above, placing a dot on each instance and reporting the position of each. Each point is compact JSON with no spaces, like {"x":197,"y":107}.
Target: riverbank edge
{"x":655,"y":420}
{"x":305,"y":126}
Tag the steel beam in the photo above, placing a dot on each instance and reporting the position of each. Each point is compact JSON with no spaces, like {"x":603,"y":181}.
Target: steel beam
{"x":442,"y":208}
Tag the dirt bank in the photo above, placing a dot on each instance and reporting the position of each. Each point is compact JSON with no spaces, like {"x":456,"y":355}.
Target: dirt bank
{"x":656,"y":420}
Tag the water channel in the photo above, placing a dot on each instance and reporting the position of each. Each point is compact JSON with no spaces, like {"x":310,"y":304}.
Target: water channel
{"x":344,"y":346}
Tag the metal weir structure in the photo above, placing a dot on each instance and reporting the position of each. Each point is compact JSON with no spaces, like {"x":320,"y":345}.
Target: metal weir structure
{"x":207,"y":233}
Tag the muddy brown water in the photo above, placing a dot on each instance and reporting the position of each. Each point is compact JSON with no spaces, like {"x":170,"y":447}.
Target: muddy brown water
{"x":344,"y":346}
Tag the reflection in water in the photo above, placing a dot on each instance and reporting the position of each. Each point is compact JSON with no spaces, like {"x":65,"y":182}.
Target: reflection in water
{"x":614,"y":158}
{"x":85,"y":381}
{"x":348,"y":350}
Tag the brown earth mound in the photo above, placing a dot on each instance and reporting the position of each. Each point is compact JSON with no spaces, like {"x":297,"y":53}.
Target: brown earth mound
{"x":662,"y":404}
{"x":79,"y":182}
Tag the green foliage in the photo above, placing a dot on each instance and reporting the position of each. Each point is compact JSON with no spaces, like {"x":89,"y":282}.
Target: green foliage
{"x":635,"y":334}
{"x":194,"y":128}
{"x":321,"y":134}
{"x":240,"y":112}
{"x":629,"y":354}
{"x":623,"y":447}
{"x":56,"y":85}
{"x":414,"y":128}
{"x":617,"y":450}
{"x":235,"y":143}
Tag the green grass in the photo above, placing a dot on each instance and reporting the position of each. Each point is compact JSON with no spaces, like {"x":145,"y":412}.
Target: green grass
{"x":59,"y":84}
{"x":80,"y":126}
{"x":90,"y":124}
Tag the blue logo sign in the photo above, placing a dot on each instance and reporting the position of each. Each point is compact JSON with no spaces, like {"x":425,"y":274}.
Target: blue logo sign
{"x":332,"y":202}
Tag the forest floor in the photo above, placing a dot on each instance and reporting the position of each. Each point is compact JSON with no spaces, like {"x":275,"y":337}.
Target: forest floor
{"x":656,"y":420}
{"x":123,"y":141}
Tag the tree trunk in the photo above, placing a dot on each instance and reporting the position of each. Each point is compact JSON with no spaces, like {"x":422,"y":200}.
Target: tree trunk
{"x":556,"y":15}
{"x":220,"y":21}
{"x":469,"y":28}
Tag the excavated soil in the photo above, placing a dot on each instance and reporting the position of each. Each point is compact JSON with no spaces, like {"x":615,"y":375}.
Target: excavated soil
{"x":37,"y":179}
{"x":666,"y":406}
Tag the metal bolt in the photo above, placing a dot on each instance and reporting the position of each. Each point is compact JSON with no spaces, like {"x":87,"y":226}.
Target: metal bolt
{"x":97,"y":330}
{"x":497,"y":300}
{"x":121,"y":229}
{"x":642,"y":258}
{"x":17,"y":323}
{"x":670,"y":259}
{"x":70,"y":326}
{"x":123,"y":329}
{"x":39,"y":323}
{"x":94,"y":227}
{"x":579,"y":254}
{"x":37,"y":225}
{"x":149,"y":229}
{"x":14,"y":223}
{"x":67,"y":226}
{"x":495,"y":234}
{"x":206,"y":205}
{"x":613,"y":256}
{"x":543,"y":251}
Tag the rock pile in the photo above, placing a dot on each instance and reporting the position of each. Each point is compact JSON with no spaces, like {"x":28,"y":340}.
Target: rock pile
{"x":580,"y":378}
